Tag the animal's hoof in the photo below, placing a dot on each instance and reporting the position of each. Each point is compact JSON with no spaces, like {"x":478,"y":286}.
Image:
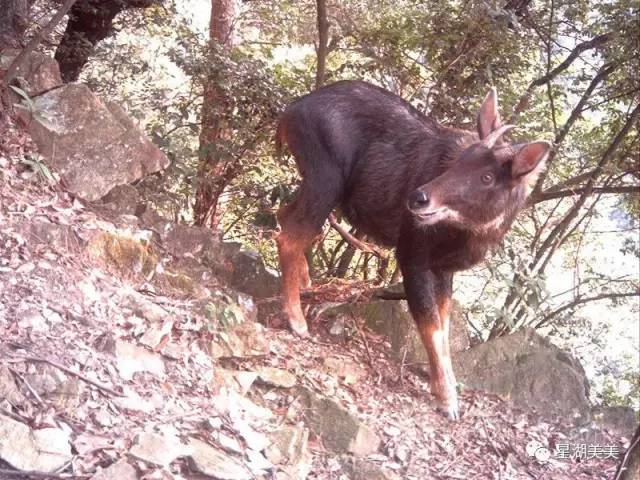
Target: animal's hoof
{"x":299,"y":328}
{"x":302,"y":333}
{"x":451,"y":412}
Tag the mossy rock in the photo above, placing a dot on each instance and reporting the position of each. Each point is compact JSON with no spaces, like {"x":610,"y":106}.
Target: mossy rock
{"x":181,"y":283}
{"x":127,"y":256}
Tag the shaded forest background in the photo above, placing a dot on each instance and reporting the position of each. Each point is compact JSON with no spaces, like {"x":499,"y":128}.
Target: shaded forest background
{"x":207,"y":80}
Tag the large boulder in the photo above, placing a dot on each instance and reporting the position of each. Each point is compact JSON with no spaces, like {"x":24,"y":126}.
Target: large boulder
{"x":38,"y":74}
{"x":92,"y":145}
{"x":198,"y":251}
{"x":527,"y":369}
{"x":392,"y":319}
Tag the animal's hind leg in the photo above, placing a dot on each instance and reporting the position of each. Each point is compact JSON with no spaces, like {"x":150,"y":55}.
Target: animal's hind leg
{"x":300,"y":223}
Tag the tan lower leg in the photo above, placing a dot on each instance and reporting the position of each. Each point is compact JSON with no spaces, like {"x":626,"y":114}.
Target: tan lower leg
{"x":291,"y":258}
{"x":442,"y":380}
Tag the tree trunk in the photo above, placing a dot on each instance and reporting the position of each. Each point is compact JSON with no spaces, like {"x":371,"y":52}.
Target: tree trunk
{"x":14,"y":20}
{"x":211,"y":169}
{"x":89,"y":22}
{"x":629,"y":468}
{"x":323,"y":41}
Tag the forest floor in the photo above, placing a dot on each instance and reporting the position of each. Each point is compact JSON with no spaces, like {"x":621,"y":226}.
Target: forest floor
{"x":62,"y":317}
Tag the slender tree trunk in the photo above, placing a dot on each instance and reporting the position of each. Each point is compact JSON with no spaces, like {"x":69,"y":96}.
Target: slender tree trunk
{"x":211,"y":167}
{"x":323,"y":41}
{"x":629,"y":468}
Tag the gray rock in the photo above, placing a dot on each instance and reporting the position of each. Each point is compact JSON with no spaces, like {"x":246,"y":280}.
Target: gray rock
{"x":45,"y":450}
{"x":121,"y":470}
{"x":158,"y":450}
{"x":144,"y":307}
{"x":618,"y":419}
{"x":244,"y":340}
{"x":358,"y":469}
{"x":122,"y":199}
{"x":341,"y":432}
{"x":93,"y":146}
{"x":347,"y":370}
{"x":8,"y":389}
{"x":289,"y":451}
{"x":212,"y":461}
{"x":184,"y":240}
{"x":131,"y":359}
{"x":393,"y":319}
{"x":249,"y":275}
{"x":43,"y":231}
{"x":527,"y":369}
{"x":40,"y":72}
{"x":276,"y":377}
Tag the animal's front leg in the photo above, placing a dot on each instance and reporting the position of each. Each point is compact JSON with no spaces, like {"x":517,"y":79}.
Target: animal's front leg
{"x":429,"y":298}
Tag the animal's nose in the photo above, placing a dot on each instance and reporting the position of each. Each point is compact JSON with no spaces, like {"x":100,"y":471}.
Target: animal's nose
{"x":418,"y":200}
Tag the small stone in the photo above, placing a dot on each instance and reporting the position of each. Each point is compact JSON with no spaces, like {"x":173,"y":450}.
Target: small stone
{"x":402,"y":453}
{"x":144,"y":307}
{"x":257,"y":462}
{"x":337,"y":327}
{"x":212,"y":461}
{"x":340,"y":431}
{"x":121,"y":470}
{"x":134,"y":402}
{"x":344,"y":368}
{"x":276,"y":377}
{"x":173,"y":351}
{"x":229,"y":443}
{"x":45,"y":450}
{"x":32,"y":319}
{"x":158,"y":450}
{"x":392,"y":430}
{"x":245,"y":380}
{"x":364,"y":470}
{"x":155,"y":333}
{"x":244,"y":340}
{"x":289,"y":446}
{"x":103,"y":417}
{"x":131,"y":359}
{"x":215,"y":423}
{"x":8,"y":388}
{"x":255,"y":440}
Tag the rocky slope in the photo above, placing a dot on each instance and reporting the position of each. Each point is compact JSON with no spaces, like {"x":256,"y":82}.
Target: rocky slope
{"x":128,"y":351}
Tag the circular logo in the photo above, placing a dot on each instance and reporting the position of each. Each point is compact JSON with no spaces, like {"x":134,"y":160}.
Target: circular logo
{"x":532,"y":447}
{"x":537,"y":450}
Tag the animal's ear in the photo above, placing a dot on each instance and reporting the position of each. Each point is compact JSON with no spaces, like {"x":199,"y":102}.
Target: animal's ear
{"x":530,"y":161}
{"x":488,"y":117}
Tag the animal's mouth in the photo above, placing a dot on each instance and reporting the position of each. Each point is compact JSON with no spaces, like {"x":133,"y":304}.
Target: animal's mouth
{"x":429,"y":217}
{"x":426,"y":214}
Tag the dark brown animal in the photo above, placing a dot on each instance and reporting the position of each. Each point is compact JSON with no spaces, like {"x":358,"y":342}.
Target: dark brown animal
{"x":442,"y":196}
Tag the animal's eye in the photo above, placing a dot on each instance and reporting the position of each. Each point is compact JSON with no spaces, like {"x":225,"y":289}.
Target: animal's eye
{"x":487,"y":178}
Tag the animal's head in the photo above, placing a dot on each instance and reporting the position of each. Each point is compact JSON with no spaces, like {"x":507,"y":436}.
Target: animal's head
{"x":489,"y":181}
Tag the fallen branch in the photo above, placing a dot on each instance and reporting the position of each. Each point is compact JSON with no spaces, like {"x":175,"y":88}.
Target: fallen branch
{"x":354,"y":242}
{"x":40,"y":475}
{"x":55,"y":364}
{"x":363,"y":338}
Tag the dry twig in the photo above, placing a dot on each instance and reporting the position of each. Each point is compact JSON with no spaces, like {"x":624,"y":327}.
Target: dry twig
{"x":53,"y":363}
